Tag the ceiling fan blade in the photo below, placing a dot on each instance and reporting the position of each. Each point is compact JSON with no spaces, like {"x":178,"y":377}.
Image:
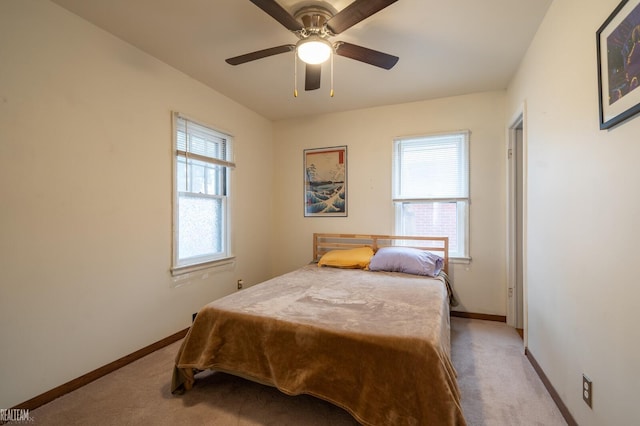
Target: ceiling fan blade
{"x":277,"y":12}
{"x":357,"y":11}
{"x":259,"y":54}
{"x":312,"y":76}
{"x":369,"y":56}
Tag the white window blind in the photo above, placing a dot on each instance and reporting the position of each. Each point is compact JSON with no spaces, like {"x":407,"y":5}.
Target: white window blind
{"x":203,"y":161}
{"x":434,"y":167}
{"x":201,"y":143}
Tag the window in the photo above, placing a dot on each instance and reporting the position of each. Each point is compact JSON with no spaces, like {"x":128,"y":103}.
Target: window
{"x":431,"y":188}
{"x":202,"y":171}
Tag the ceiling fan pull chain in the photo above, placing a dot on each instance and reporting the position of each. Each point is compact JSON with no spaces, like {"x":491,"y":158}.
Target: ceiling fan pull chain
{"x":331,"y":93}
{"x":295,"y":76}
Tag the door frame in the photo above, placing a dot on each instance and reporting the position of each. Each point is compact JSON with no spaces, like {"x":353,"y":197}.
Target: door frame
{"x":519,"y":119}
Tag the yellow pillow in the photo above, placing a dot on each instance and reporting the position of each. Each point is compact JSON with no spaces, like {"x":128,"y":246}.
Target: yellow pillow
{"x":351,"y":258}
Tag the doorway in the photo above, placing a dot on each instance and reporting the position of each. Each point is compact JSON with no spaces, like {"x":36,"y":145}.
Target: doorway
{"x":516,"y":217}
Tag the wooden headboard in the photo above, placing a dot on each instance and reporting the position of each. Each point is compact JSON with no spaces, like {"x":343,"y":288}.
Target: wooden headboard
{"x":323,"y":243}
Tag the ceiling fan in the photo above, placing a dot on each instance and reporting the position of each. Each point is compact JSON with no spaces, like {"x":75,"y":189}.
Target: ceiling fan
{"x":314,"y":25}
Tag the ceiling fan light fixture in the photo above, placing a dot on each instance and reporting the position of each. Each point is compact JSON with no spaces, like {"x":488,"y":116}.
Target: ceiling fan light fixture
{"x":313,"y":50}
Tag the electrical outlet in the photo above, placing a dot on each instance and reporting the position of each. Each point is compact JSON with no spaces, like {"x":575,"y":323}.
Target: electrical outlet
{"x":240,"y":284}
{"x":587,"y":390}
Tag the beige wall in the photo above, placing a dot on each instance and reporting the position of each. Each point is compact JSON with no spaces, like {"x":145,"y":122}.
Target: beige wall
{"x":583,"y":220}
{"x":85,"y":199}
{"x":368,"y":134}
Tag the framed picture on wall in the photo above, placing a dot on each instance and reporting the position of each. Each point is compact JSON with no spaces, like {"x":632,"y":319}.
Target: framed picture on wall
{"x":325,"y":182}
{"x":618,"y":46}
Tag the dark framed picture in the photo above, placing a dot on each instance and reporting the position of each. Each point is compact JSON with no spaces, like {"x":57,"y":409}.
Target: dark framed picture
{"x":325,"y":181}
{"x":618,"y":45}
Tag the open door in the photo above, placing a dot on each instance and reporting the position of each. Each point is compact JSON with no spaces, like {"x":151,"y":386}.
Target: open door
{"x":516,"y":246}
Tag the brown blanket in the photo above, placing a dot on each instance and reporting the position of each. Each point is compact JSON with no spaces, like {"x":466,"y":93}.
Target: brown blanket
{"x":375,"y":343}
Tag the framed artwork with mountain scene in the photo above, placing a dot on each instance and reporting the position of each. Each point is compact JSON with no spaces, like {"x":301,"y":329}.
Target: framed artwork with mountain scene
{"x":325,"y":182}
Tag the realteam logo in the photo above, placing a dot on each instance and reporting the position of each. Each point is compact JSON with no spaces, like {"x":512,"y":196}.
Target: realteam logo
{"x":15,"y":415}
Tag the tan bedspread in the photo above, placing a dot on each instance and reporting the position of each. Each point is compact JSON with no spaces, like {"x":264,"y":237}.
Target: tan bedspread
{"x":375,"y":343}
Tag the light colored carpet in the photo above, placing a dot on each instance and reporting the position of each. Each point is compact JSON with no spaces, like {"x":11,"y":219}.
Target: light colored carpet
{"x":498,"y":385}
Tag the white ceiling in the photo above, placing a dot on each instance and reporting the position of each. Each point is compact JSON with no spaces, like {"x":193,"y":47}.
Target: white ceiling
{"x":446,"y":48}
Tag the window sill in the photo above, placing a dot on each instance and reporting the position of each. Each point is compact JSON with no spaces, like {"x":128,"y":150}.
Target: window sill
{"x":460,"y":260}
{"x":181,"y":270}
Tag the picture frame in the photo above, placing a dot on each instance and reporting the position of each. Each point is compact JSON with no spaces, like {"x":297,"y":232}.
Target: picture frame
{"x":325,"y":182}
{"x":618,"y":58}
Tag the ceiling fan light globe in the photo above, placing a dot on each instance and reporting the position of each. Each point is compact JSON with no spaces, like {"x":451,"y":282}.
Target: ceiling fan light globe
{"x":314,"y":51}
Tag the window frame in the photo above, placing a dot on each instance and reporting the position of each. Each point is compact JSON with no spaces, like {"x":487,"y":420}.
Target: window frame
{"x":182,"y":266}
{"x":463,"y":204}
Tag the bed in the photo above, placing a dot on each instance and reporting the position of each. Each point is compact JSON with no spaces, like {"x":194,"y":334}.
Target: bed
{"x":374,"y":343}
